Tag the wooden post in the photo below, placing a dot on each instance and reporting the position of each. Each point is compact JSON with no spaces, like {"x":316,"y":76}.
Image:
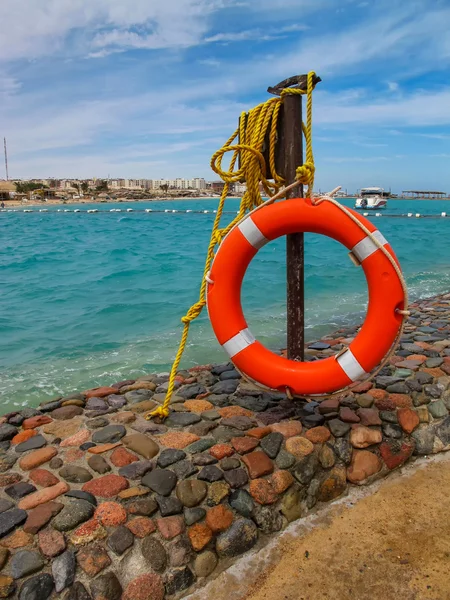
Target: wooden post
{"x":293,"y":158}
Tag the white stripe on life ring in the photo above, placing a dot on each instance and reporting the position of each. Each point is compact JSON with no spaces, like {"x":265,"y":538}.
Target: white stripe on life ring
{"x":350,"y":365}
{"x":252,"y":234}
{"x":239,"y":342}
{"x":366,"y":247}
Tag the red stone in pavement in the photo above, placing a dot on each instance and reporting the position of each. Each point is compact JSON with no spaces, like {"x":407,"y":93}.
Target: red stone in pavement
{"x":37,"y":458}
{"x":170,"y":527}
{"x":347,"y":415}
{"x":258,"y":464}
{"x":219,"y":518}
{"x":446,"y":368}
{"x":111,"y":514}
{"x":145,"y":587}
{"x":77,"y":439}
{"x":100,"y":392}
{"x":199,"y":535}
{"x":9,"y":479}
{"x":362,"y":387}
{"x":41,"y":515}
{"x":93,"y":559}
{"x":107,"y":486}
{"x":363,"y":465}
{"x":234,"y":411}
{"x":37,"y":421}
{"x":262,"y":491}
{"x":401,"y":400}
{"x":177,"y":439}
{"x":73,"y":454}
{"x":287,"y":428}
{"x":378,"y":394}
{"x":318,"y":435}
{"x":408,"y":419}
{"x":435,"y":372}
{"x":18,"y":539}
{"x":121,"y":457}
{"x":88,"y":532}
{"x":23,"y":436}
{"x":369,"y":416}
{"x":42,"y":496}
{"x":198,"y":406}
{"x":244,"y":444}
{"x":281,"y":481}
{"x":51,"y":542}
{"x":330,"y":405}
{"x":141,"y":526}
{"x":417,"y":357}
{"x":394,"y":457}
{"x":384,"y":403}
{"x":43,"y":478}
{"x":258,"y":432}
{"x":220,"y":451}
{"x":101,"y":448}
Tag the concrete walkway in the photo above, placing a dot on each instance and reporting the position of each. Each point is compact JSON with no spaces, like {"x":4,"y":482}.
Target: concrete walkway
{"x":392,"y":543}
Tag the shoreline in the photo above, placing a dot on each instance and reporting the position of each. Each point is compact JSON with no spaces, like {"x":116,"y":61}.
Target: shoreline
{"x":16,"y":203}
{"x":95,"y":497}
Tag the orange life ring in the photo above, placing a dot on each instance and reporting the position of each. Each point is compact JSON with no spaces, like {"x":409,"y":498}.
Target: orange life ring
{"x":368,"y":348}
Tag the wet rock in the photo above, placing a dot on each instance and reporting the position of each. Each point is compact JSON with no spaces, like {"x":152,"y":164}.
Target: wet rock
{"x":240,"y":537}
{"x":63,"y":570}
{"x":154,"y":554}
{"x":39,"y":587}
{"x":25,"y":562}
{"x":73,"y":514}
{"x":109,"y":434}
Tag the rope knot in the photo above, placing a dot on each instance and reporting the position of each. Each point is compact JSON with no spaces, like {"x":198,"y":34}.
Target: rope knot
{"x":158,"y":412}
{"x":305,"y":173}
{"x":193,"y":312}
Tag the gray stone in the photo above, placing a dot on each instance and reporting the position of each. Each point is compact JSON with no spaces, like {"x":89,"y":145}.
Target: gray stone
{"x":75,"y":474}
{"x":236,"y":478}
{"x":443,"y":431}
{"x":392,"y":430}
{"x":225,"y":434}
{"x":98,"y":464}
{"x":242,"y":502}
{"x":424,"y":441}
{"x":205,"y":563}
{"x":73,"y":514}
{"x":10,"y":519}
{"x":204,"y":459}
{"x":116,"y":401}
{"x":161,"y":481}
{"x":238,"y":538}
{"x":271,"y":444}
{"x":284,"y":460}
{"x":82,"y":496}
{"x":191,"y":491}
{"x":142,"y":506}
{"x":37,"y":441}
{"x":338,"y":428}
{"x":389,"y":416}
{"x":365,"y":400}
{"x":169,"y":457}
{"x":55,"y":463}
{"x":138,"y":396}
{"x":433,"y":391}
{"x":5,"y":504}
{"x":219,"y":400}
{"x":200,"y":445}
{"x":154,"y":553}
{"x":423,"y":378}
{"x":238,"y":422}
{"x":432,"y":363}
{"x":225,"y":387}
{"x":77,"y":592}
{"x":169,"y":506}
{"x":256,"y":404}
{"x":210,"y":473}
{"x":109,"y":434}
{"x":96,"y":404}
{"x":49,"y":406}
{"x":25,"y":562}
{"x":437,"y":409}
{"x":398,"y":388}
{"x":106,"y":586}
{"x":39,"y":587}
{"x":385,"y":381}
{"x":19,"y":490}
{"x":210,"y":415}
{"x":7,"y":432}
{"x":182,"y":419}
{"x":191,"y":391}
{"x":184,"y":469}
{"x":228,"y":463}
{"x":203,"y":428}
{"x":136,"y":469}
{"x":268,"y":519}
{"x":232,"y":374}
{"x":206,"y":378}
{"x":63,"y":570}
{"x":178,"y":580}
{"x":306,"y":468}
{"x":120,"y":540}
{"x":192,"y":515}
{"x":180,"y":552}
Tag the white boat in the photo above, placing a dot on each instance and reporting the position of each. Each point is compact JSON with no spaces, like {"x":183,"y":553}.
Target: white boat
{"x":371,"y":198}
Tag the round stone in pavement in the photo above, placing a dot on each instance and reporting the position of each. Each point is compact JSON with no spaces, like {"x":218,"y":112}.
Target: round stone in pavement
{"x":75,"y":474}
{"x":74,"y":513}
{"x":38,"y":587}
{"x":19,"y":490}
{"x":24,"y":563}
{"x":106,"y":586}
{"x":77,"y":592}
{"x":242,"y":502}
{"x":145,"y":587}
{"x":210,"y":473}
{"x":169,"y":506}
{"x":179,"y":579}
{"x":120,"y":540}
{"x":192,"y":515}
{"x":109,"y":434}
{"x":35,"y":442}
{"x":205,"y":563}
{"x":63,"y":570}
{"x":169,"y":457}
{"x":82,"y":496}
{"x":161,"y":481}
{"x":154,"y":553}
{"x":191,"y":492}
{"x":182,"y":419}
{"x":271,"y":444}
{"x":238,"y":538}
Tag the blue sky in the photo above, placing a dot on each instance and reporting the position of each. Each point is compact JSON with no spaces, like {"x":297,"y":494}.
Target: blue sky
{"x":150,"y":88}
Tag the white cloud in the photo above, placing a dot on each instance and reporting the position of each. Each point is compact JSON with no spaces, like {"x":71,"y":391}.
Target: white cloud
{"x":393,"y":86}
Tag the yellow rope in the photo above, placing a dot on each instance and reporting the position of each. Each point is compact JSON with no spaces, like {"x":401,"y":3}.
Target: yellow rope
{"x":251,"y":135}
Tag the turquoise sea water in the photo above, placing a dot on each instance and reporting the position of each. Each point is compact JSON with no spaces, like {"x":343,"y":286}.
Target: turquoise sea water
{"x":86,"y":299}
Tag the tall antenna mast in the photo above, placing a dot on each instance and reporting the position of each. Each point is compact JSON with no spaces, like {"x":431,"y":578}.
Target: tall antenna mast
{"x":6,"y":159}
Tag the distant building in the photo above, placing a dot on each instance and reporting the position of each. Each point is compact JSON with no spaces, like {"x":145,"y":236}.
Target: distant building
{"x":7,"y":190}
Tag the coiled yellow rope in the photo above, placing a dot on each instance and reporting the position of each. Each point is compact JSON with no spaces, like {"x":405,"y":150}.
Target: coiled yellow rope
{"x":251,"y":134}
